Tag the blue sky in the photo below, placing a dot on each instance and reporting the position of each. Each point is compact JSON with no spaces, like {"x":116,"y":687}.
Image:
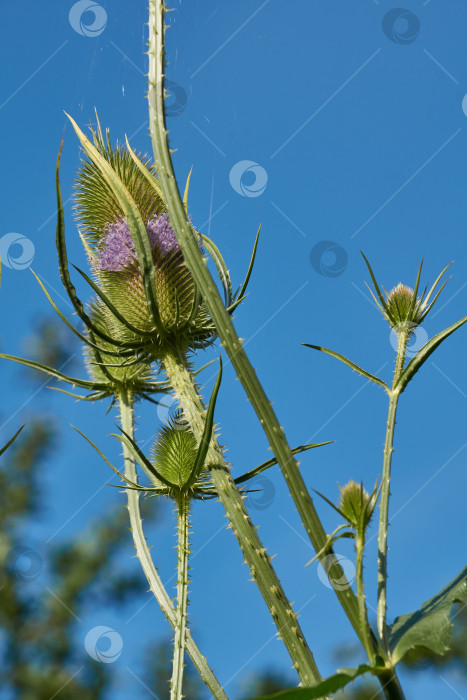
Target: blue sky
{"x":353,"y":124}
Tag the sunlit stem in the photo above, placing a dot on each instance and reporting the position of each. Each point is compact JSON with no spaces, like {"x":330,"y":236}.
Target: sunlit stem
{"x":385,"y":493}
{"x":222,"y":320}
{"x":183,"y":525}
{"x":363,"y":614}
{"x":255,"y":554}
{"x":125,"y":401}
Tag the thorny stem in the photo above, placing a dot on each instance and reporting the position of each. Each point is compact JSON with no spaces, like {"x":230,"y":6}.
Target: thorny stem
{"x":367,"y":642}
{"x":385,"y":493}
{"x":183,"y":546}
{"x":223,"y":322}
{"x":253,"y":550}
{"x":125,"y":401}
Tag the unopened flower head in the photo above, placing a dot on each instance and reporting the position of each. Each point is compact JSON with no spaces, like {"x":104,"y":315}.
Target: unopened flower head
{"x":402,"y":307}
{"x":404,"y":312}
{"x":354,"y":503}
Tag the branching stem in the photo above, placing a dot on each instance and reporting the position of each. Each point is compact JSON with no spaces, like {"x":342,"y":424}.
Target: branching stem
{"x":263,"y":574}
{"x":142,"y":551}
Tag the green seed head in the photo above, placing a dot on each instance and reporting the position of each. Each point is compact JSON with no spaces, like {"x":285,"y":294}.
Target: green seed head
{"x":403,"y":308}
{"x":404,"y":312}
{"x":356,"y":505}
{"x":174,"y":455}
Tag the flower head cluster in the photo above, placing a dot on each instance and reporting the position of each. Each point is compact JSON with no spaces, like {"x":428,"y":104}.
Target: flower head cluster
{"x":117,"y":250}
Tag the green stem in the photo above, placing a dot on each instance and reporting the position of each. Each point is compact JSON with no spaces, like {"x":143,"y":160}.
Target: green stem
{"x":385,"y":493}
{"x":263,"y":574}
{"x":223,"y":322}
{"x":142,"y":551}
{"x":183,"y":522}
{"x":364,"y":625}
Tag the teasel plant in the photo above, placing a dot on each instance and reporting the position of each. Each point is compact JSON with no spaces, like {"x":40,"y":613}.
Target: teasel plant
{"x":148,"y":313}
{"x":155,"y":305}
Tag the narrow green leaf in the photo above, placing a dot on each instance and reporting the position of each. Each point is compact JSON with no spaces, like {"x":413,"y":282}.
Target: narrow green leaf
{"x":319,"y":690}
{"x":350,"y":364}
{"x":271,"y":462}
{"x":423,"y":354}
{"x":64,"y":272}
{"x":431,"y":626}
{"x":207,"y":432}
{"x":122,"y":476}
{"x":148,"y":175}
{"x":83,"y":338}
{"x":378,"y":291}
{"x":82,"y":383}
{"x":221,"y":268}
{"x":10,"y":441}
{"x":142,"y":460}
{"x":415,"y":291}
{"x":97,"y":396}
{"x":135,"y":224}
{"x":187,"y":187}
{"x":244,"y":286}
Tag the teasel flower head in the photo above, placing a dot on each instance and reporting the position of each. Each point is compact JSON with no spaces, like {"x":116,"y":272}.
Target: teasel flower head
{"x":403,"y":307}
{"x":138,"y":269}
{"x":357,"y":505}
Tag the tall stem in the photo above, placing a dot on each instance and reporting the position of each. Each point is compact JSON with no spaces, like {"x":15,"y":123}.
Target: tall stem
{"x":367,"y":641}
{"x":253,"y":550}
{"x":223,"y":322}
{"x":142,"y":551}
{"x":385,"y":493}
{"x":183,"y":525}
